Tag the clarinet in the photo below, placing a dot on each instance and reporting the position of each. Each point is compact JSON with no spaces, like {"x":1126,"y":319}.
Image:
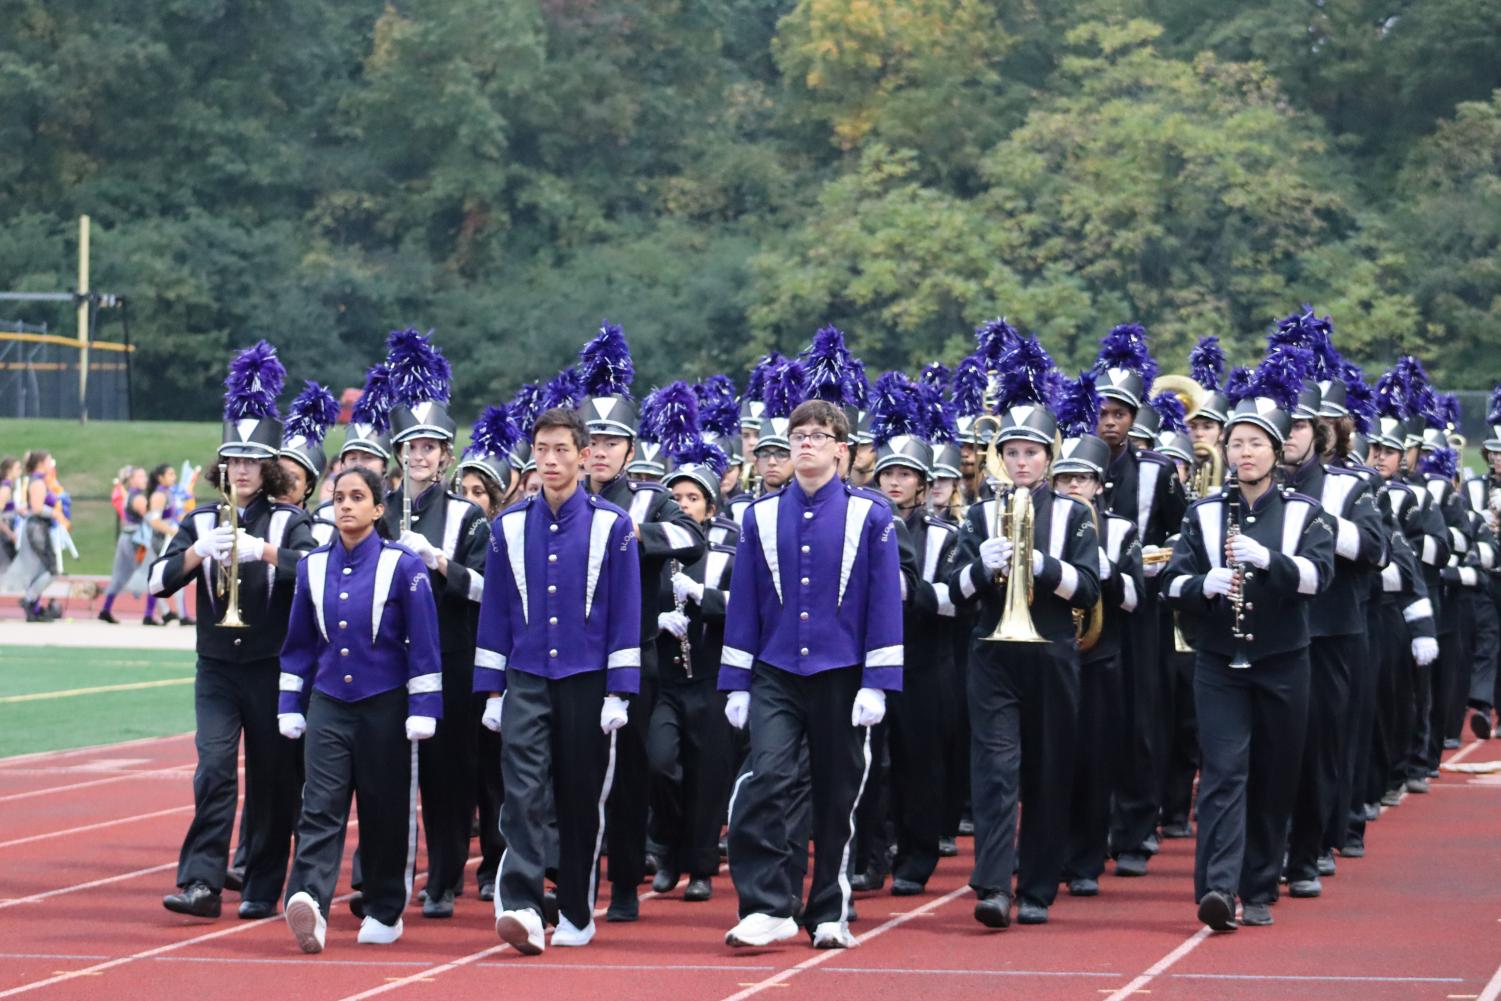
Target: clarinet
{"x":680,"y":606}
{"x":1237,"y":596}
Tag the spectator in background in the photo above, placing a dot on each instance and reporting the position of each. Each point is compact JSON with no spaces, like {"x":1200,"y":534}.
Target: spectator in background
{"x":163,"y":516}
{"x":10,"y":497}
{"x":37,"y":558}
{"x":130,"y":503}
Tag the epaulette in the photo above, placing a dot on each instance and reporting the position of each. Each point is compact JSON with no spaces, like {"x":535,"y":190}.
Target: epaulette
{"x":766,"y":497}
{"x":715,"y":547}
{"x":1217,"y":498}
{"x":636,"y":486}
{"x":1149,"y":455}
{"x":1288,"y":493}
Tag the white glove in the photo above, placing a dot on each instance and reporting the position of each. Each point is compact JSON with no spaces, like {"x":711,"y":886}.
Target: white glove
{"x":421,"y":727}
{"x":1105,"y":566}
{"x":995,"y":553}
{"x":294,"y":725}
{"x":737,"y":709}
{"x":419,"y":545}
{"x":1217,"y":581}
{"x":215,"y":544}
{"x":613,"y":714}
{"x":491,"y":716}
{"x":675,"y":623}
{"x":1148,"y":569}
{"x":1037,"y":559}
{"x":870,"y":707}
{"x":249,"y":549}
{"x":685,"y":588}
{"x":1424,"y":650}
{"x":1248,"y":550}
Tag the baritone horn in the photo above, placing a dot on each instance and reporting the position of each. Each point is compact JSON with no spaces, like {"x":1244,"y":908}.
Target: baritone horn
{"x":1013,"y":521}
{"x":1089,"y":622}
{"x":227,"y":579}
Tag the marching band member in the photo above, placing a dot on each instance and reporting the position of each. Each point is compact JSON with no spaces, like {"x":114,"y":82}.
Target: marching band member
{"x":664,"y":533}
{"x":363,"y":704}
{"x":1142,"y":486}
{"x":1484,"y":495}
{"x":449,"y":534}
{"x":309,"y":417}
{"x":366,"y":442}
{"x":812,"y":637}
{"x":1079,"y":473}
{"x":1024,"y":696}
{"x":236,"y":684}
{"x":1245,"y":564}
{"x":559,"y":657}
{"x":688,"y":742}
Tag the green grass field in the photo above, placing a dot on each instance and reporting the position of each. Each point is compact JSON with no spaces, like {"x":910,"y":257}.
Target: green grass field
{"x":56,"y":721}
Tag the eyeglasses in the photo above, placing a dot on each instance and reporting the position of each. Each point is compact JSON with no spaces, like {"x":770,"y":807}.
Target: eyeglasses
{"x":818,"y":439}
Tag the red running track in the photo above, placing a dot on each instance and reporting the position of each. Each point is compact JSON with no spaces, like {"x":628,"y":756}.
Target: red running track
{"x":88,"y":842}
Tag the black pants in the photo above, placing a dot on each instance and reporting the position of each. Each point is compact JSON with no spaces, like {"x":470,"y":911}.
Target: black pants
{"x":1182,"y":736}
{"x":1138,"y":782}
{"x":629,"y":794}
{"x":360,"y":749}
{"x":551,"y":737}
{"x":1360,"y":764}
{"x":953,"y":732}
{"x":1420,"y":730}
{"x":1323,"y":767}
{"x":1487,"y":643}
{"x":1457,"y":685}
{"x":871,"y":853}
{"x":230,"y":699}
{"x":688,"y":745}
{"x":1023,"y":712}
{"x":1449,"y":674}
{"x":1094,"y":768}
{"x":489,"y":793}
{"x":447,"y":769}
{"x":1251,"y":730}
{"x":785,"y":710}
{"x":917,"y":781}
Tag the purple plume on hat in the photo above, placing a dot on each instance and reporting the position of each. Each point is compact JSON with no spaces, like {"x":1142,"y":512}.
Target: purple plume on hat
{"x":786,"y":387}
{"x":419,"y":372}
{"x":967,"y":391}
{"x":374,"y":404}
{"x":254,"y":382}
{"x":495,"y":433}
{"x":895,"y":409}
{"x":1314,"y":334}
{"x":1445,"y":412}
{"x":1238,"y":384}
{"x":994,"y":339}
{"x":935,"y":374}
{"x":525,"y":406}
{"x":1280,"y":376}
{"x":605,"y":366}
{"x":717,"y":410}
{"x":1170,"y":408}
{"x":702,"y":453}
{"x":312,"y":413}
{"x":939,"y":417}
{"x":669,"y":417}
{"x":1206,"y":363}
{"x":1359,"y":399}
{"x":1439,"y":462}
{"x":1078,"y":406}
{"x":1493,"y":408}
{"x":1024,"y":375}
{"x":831,"y":370}
{"x":565,"y":390}
{"x":1125,"y":347}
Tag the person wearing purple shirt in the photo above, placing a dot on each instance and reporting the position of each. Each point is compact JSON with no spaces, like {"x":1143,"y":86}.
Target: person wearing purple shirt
{"x":361,"y":675}
{"x":558,"y":657}
{"x":813,"y":637}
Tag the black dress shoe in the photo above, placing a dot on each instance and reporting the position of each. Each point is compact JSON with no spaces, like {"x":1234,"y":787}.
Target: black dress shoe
{"x":487,"y":890}
{"x":1030,"y":912}
{"x":993,"y":910}
{"x":187,"y":620}
{"x":195,"y":899}
{"x":357,"y":904}
{"x":1131,"y":865}
{"x":1304,"y":888}
{"x":234,"y":878}
{"x":698,"y":890}
{"x":1353,"y":850}
{"x":148,"y":621}
{"x":664,"y":881}
{"x":652,"y":865}
{"x":1083,"y":888}
{"x":438,"y":907}
{"x":867,"y":882}
{"x":254,"y":910}
{"x":624,"y":906}
{"x":947,"y":848}
{"x":1258,"y":915}
{"x":1217,"y":910}
{"x":550,"y":908}
{"x":1480,"y":725}
{"x":169,"y":617}
{"x":905,"y":887}
{"x":1177,"y":830}
{"x":107,"y":617}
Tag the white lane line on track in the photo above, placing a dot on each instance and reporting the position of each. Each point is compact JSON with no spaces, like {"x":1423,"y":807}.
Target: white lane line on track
{"x":1464,"y":752}
{"x":825,"y":956}
{"x":176,"y":771}
{"x":1492,"y":990}
{"x":95,"y":827}
{"x":1158,"y":968}
{"x":69,"y":752}
{"x":35,"y":897}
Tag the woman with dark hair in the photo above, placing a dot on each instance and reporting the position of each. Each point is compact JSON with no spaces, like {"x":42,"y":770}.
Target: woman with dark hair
{"x":134,"y":536}
{"x":165,"y":516}
{"x":238,"y":668}
{"x":37,"y":557}
{"x":10,"y":480}
{"x":363,"y":697}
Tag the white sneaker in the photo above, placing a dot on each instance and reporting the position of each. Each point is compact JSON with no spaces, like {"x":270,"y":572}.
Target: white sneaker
{"x":521,"y":930}
{"x":761,"y":929}
{"x":372,"y":932}
{"x":833,"y":935}
{"x":307,"y":922}
{"x":565,"y":934}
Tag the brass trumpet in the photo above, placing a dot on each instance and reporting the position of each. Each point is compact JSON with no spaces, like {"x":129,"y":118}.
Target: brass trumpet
{"x":1013,"y":520}
{"x":227,"y":578}
{"x":1089,"y":622}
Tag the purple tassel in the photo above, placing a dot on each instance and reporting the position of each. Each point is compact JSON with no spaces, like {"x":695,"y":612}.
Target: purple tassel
{"x":755,"y":387}
{"x":525,"y":406}
{"x":1493,"y":410}
{"x":935,"y":374}
{"x":1442,"y":462}
{"x":1170,"y":408}
{"x":941,"y":427}
{"x":831,"y":370}
{"x":1238,"y":384}
{"x":312,"y":413}
{"x":785,"y":388}
{"x":565,"y":390}
{"x":255,"y":380}
{"x":1206,"y":363}
{"x":1445,"y":413}
{"x":967,"y":391}
{"x":1280,"y":376}
{"x":995,"y":339}
{"x":669,"y":417}
{"x":1125,"y":347}
{"x":895,"y":409}
{"x":718,"y":412}
{"x":495,"y":433}
{"x":1314,"y":334}
{"x":1359,"y":399}
{"x":702,"y":453}
{"x":1077,"y":406}
{"x":419,"y":372}
{"x":374,"y":404}
{"x":605,"y":363}
{"x":1024,"y":375}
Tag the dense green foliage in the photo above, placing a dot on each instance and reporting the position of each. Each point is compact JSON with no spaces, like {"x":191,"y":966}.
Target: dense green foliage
{"x":723,"y":176}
